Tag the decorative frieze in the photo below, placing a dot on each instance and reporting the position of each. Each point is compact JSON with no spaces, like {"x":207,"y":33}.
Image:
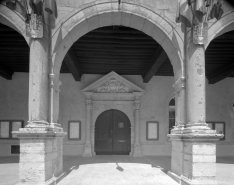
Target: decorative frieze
{"x":137,"y":104}
{"x":113,"y":86}
{"x":89,"y":104}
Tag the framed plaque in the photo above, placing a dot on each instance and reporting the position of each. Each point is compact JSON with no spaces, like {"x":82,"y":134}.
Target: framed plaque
{"x":218,"y":126}
{"x":74,"y":130}
{"x":7,"y":126}
{"x":220,"y":129}
{"x":16,"y":125}
{"x":152,"y":130}
{"x":4,"y":129}
{"x":210,"y":125}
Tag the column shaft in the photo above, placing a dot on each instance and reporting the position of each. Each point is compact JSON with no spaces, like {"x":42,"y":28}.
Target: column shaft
{"x":88,"y":146}
{"x":195,"y":85}
{"x":38,"y":81}
{"x":137,"y":147}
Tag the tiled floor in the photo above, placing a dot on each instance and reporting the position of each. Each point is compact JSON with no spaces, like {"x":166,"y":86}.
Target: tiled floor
{"x":117,"y":170}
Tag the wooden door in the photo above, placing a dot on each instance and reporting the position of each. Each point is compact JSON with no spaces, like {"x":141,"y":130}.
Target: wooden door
{"x":112,"y":133}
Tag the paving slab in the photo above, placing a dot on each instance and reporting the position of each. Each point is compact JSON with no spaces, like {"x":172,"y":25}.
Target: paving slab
{"x":117,"y":170}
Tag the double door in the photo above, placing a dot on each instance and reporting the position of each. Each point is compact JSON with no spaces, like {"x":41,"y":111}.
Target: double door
{"x":112,"y":133}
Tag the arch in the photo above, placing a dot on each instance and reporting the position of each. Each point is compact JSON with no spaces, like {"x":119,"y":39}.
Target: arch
{"x":13,"y":20}
{"x":225,"y":24}
{"x":130,"y":15}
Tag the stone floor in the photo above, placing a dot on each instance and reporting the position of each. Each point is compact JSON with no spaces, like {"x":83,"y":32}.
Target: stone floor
{"x":116,"y":170}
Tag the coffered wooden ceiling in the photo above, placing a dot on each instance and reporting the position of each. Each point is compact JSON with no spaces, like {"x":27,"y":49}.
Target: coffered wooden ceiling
{"x":124,"y":50}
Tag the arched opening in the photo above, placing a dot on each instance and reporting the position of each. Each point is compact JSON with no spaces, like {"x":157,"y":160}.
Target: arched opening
{"x":219,"y":58}
{"x":124,"y":50}
{"x":112,"y":133}
{"x":159,"y":29}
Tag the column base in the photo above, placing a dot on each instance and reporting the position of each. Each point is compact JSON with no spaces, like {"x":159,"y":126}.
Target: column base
{"x":41,"y":154}
{"x":197,"y":150}
{"x":186,"y":181}
{"x":87,"y":150}
{"x":137,"y":152}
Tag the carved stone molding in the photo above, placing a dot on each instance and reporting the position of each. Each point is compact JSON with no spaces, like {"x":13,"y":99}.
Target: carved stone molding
{"x":88,"y":104}
{"x":53,"y":83}
{"x":113,"y":86}
{"x":180,"y":84}
{"x":137,"y":105}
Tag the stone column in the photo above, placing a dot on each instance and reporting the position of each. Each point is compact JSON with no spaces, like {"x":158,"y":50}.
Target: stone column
{"x":180,"y":110}
{"x":197,"y":142}
{"x":177,"y":144}
{"x":40,"y":141}
{"x":137,"y":151}
{"x":196,"y":88}
{"x":88,"y":146}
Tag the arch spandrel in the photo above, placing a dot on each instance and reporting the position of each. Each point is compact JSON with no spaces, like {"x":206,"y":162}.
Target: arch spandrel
{"x":94,"y":16}
{"x":13,"y":20}
{"x":225,"y":24}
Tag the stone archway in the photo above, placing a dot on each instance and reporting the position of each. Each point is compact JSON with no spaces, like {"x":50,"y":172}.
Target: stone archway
{"x":135,"y":16}
{"x":225,"y":24}
{"x":13,"y":20}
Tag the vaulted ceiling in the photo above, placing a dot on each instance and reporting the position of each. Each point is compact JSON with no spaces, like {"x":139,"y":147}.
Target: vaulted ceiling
{"x":124,"y":50}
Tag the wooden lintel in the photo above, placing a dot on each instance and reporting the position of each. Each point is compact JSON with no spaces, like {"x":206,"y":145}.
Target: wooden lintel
{"x":6,"y":73}
{"x":221,"y":74}
{"x":73,"y":65}
{"x":157,"y":60}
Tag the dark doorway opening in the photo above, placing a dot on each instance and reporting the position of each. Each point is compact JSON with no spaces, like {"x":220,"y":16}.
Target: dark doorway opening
{"x":112,"y":133}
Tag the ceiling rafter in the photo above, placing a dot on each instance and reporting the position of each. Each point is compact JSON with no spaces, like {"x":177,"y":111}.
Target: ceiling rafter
{"x":157,"y":60}
{"x":221,"y":74}
{"x":73,"y":65}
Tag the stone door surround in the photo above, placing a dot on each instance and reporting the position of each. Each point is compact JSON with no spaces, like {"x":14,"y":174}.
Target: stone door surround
{"x":112,"y":92}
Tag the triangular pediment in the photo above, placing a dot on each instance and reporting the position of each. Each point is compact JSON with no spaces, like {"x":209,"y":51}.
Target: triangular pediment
{"x":112,"y":83}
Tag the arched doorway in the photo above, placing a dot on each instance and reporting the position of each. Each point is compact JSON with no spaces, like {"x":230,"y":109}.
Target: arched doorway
{"x":112,"y":133}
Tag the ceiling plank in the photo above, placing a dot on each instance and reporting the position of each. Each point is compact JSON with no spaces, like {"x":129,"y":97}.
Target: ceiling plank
{"x":157,"y":60}
{"x":6,"y":73}
{"x":73,"y":65}
{"x":221,"y":74}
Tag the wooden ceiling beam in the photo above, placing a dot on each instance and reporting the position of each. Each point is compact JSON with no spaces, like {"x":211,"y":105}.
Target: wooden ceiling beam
{"x":6,"y":73}
{"x":73,"y":65}
{"x":221,"y":74}
{"x":157,"y":60}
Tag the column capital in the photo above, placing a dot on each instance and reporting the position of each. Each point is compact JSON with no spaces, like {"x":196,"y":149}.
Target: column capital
{"x":180,"y":84}
{"x":88,"y":95}
{"x":138,"y":95}
{"x":137,"y":104}
{"x":88,"y":104}
{"x":54,"y":84}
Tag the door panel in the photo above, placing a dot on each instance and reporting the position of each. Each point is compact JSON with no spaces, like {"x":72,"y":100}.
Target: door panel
{"x":103,"y":133}
{"x":112,"y":133}
{"x":121,"y":139}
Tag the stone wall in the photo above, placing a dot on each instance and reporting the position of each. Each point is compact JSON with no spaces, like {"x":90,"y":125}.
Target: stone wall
{"x":159,"y":91}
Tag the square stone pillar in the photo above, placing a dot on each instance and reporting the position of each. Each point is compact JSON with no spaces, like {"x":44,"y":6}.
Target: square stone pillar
{"x":199,"y":164}
{"x":41,"y":155}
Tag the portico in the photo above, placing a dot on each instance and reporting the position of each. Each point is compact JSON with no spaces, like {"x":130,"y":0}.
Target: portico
{"x":140,"y":98}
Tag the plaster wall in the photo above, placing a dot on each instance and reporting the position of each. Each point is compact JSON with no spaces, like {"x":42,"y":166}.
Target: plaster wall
{"x":154,"y":107}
